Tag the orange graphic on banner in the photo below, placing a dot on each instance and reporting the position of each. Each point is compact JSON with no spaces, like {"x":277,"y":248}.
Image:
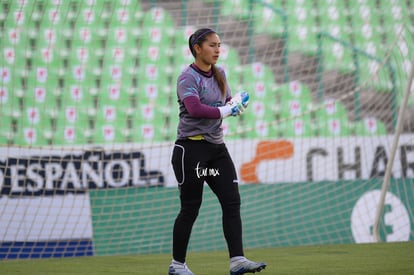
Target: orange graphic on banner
{"x":265,"y":150}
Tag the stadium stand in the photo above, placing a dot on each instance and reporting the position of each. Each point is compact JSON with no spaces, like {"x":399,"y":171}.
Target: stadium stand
{"x":98,"y":47}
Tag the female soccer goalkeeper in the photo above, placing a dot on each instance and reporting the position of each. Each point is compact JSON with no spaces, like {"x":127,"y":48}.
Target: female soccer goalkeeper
{"x":200,"y":155}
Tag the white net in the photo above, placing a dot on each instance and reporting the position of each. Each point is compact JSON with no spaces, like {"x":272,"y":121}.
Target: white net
{"x":88,"y":117}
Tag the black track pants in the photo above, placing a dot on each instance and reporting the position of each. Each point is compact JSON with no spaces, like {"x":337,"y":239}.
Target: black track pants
{"x":196,"y":162}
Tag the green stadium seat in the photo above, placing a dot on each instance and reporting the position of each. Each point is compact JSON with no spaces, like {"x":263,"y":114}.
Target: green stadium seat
{"x":46,"y":62}
{"x":90,"y":14}
{"x":10,"y":103}
{"x":118,"y":74}
{"x":155,"y":84}
{"x":257,"y":71}
{"x":258,"y":80}
{"x":14,"y":52}
{"x":119,"y":66}
{"x":33,"y":128}
{"x":69,"y":135}
{"x":259,"y":110}
{"x":82,"y":99}
{"x":153,"y":55}
{"x":150,"y":112}
{"x":302,"y":28}
{"x":35,"y":116}
{"x":370,"y":126}
{"x":155,"y":36}
{"x":119,"y":36}
{"x":332,"y":119}
{"x":110,"y":125}
{"x":122,"y":13}
{"x":55,"y":14}
{"x":232,"y":129}
{"x":294,"y":90}
{"x":72,"y":126}
{"x":153,"y":93}
{"x":336,"y":56}
{"x":149,"y":123}
{"x":333,"y":20}
{"x":262,"y":90}
{"x":42,"y":98}
{"x":52,"y":26}
{"x":297,"y":127}
{"x":368,"y":35}
{"x":332,"y":108}
{"x":151,"y":72}
{"x":232,"y":77}
{"x":84,"y":76}
{"x":116,"y":94}
{"x":182,"y":56}
{"x":109,"y":133}
{"x":42,"y":76}
{"x":259,"y":129}
{"x":47,"y":57}
{"x":120,"y":19}
{"x":17,"y":13}
{"x":293,"y":99}
{"x":239,"y":9}
{"x":398,"y":28}
{"x":396,"y":12}
{"x":268,"y":19}
{"x":229,"y":55}
{"x":399,"y":14}
{"x":148,"y":132}
{"x":259,"y":118}
{"x":291,"y":108}
{"x":30,"y":136}
{"x":158,"y":16}
{"x":374,"y":74}
{"x":182,"y":34}
{"x":402,"y":55}
{"x":157,"y":28}
{"x":333,"y":127}
{"x":367,"y":29}
{"x":262,"y":94}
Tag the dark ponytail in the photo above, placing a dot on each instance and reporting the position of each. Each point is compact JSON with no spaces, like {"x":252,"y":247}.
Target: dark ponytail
{"x":197,"y":38}
{"x":219,"y":77}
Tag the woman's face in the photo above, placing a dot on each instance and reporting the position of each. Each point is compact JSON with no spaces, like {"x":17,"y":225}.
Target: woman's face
{"x":209,"y":51}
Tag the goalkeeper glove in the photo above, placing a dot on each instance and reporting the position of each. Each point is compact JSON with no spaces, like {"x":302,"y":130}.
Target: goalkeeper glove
{"x":236,"y":105}
{"x":240,"y":98}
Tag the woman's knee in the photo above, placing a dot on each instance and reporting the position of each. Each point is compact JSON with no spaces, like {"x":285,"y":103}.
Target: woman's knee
{"x":190,"y":209}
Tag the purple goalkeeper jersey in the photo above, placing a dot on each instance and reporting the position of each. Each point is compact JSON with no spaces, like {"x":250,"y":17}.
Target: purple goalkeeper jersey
{"x":193,"y":82}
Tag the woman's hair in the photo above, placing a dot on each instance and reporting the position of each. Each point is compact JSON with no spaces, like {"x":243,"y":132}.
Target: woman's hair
{"x":197,"y":38}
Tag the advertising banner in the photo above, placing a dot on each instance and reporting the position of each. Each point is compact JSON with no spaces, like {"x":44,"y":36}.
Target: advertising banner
{"x":52,"y":198}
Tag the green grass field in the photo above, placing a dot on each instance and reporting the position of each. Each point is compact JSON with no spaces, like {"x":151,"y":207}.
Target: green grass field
{"x":386,"y":258}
